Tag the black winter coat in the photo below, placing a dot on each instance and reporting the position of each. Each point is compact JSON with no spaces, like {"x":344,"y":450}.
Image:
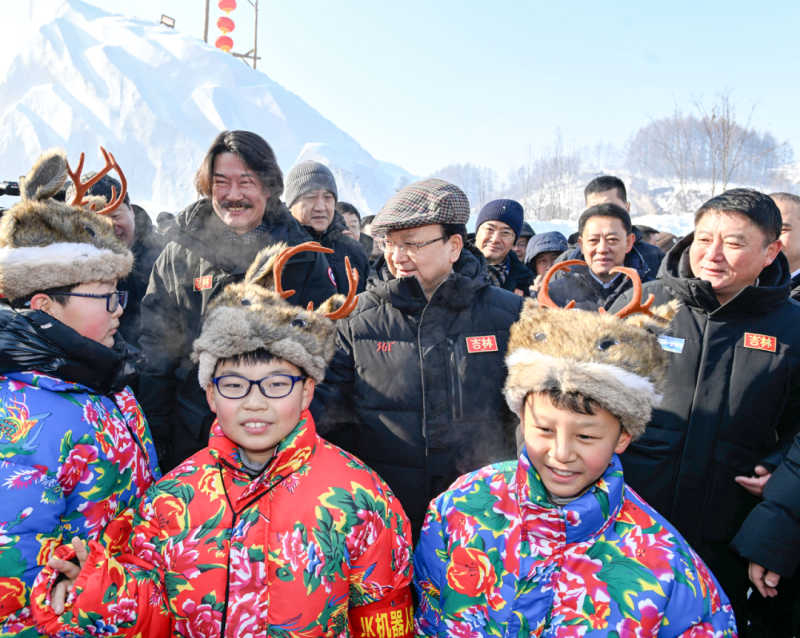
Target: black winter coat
{"x":727,"y":407}
{"x":193,"y":268}
{"x":770,"y":536}
{"x":147,"y":246}
{"x":588,"y":293}
{"x":33,"y":340}
{"x":405,"y":394}
{"x":343,"y":246}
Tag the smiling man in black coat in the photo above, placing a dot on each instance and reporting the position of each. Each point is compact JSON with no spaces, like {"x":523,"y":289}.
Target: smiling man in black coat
{"x":732,"y":404}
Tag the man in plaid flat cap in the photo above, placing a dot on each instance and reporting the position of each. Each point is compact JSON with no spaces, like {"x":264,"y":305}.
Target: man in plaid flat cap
{"x":415,"y":388}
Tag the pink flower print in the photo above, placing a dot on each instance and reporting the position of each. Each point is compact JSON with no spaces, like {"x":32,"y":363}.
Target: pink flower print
{"x":76,"y":468}
{"x":647,"y":627}
{"x":201,"y":621}
{"x":293,"y":549}
{"x":365,"y":533}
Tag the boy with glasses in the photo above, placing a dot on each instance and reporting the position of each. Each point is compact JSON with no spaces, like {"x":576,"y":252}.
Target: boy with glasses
{"x":270,"y":530}
{"x":75,"y":449}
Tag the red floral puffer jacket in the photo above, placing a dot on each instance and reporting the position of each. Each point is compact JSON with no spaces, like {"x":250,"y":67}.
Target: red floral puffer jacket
{"x":214,"y":553}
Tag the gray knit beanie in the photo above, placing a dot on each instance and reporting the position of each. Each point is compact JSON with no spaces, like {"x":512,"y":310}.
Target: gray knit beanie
{"x":308,"y":176}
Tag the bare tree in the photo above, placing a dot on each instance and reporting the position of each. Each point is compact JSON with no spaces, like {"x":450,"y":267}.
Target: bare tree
{"x":708,"y":150}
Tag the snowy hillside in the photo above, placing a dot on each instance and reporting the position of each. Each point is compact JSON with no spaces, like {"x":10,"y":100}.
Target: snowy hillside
{"x":156,"y":98}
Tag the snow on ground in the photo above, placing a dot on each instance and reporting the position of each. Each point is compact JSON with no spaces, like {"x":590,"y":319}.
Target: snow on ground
{"x":156,"y":98}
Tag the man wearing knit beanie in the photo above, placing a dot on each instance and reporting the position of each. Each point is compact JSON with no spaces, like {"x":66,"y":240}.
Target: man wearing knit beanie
{"x":498,"y":229}
{"x":311,"y":196}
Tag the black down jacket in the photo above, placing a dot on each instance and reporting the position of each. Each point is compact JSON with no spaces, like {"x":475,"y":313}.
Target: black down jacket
{"x":33,"y":340}
{"x":193,"y":268}
{"x":147,"y":246}
{"x":770,"y":536}
{"x":727,"y":407}
{"x":343,"y":246}
{"x":588,"y":293}
{"x":415,"y":389}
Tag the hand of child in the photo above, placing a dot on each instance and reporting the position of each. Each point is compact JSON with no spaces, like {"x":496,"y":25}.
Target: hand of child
{"x":755,"y":484}
{"x":71,"y":571}
{"x":764,"y":581}
{"x":537,"y":283}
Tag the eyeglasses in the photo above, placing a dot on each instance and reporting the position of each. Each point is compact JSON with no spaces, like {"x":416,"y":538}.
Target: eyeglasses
{"x":504,"y":233}
{"x":275,"y":386}
{"x":406,"y":247}
{"x":113,"y":299}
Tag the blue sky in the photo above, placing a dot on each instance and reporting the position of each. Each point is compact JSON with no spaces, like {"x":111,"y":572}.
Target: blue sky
{"x":425,"y":83}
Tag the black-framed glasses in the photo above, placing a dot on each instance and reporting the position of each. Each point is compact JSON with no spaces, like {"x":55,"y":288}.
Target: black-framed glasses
{"x":406,"y":247}
{"x":113,"y":299}
{"x":275,"y":386}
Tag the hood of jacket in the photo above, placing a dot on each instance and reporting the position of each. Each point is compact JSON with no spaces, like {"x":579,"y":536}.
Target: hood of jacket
{"x":33,"y":340}
{"x":552,"y":241}
{"x":774,"y":285}
{"x":458,"y":291}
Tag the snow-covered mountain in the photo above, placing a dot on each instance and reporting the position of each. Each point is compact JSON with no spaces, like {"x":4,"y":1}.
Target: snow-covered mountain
{"x":156,"y":98}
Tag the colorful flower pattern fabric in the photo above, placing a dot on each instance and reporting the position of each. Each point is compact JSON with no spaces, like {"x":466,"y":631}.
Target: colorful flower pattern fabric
{"x":71,"y":460}
{"x":496,"y":558}
{"x":214,"y":553}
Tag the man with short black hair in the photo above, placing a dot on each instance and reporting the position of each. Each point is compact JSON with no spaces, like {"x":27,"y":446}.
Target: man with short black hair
{"x":789,"y":205}
{"x":605,"y":242}
{"x":210,"y":245}
{"x":649,"y":234}
{"x":311,"y":196}
{"x":415,"y":388}
{"x":608,"y":189}
{"x":731,"y":407}
{"x":353,"y":220}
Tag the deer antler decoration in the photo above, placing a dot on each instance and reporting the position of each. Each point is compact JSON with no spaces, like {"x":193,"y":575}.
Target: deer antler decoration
{"x":286,"y":255}
{"x":81,"y":188}
{"x":635,"y":305}
{"x":352,"y":278}
{"x":544,"y":295}
{"x":351,"y":301}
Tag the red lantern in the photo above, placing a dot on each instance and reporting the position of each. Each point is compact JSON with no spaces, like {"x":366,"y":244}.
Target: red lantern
{"x":227,"y":5}
{"x":224,"y":42}
{"x":225,"y":25}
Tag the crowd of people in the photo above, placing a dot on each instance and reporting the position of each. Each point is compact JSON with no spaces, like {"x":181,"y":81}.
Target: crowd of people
{"x":450,"y":434}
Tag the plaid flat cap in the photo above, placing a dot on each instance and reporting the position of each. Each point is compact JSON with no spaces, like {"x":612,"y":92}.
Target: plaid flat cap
{"x":430,"y":201}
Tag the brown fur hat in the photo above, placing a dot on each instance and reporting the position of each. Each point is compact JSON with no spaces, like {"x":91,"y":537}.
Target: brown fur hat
{"x":616,"y":363}
{"x":253,"y":315}
{"x":45,"y":243}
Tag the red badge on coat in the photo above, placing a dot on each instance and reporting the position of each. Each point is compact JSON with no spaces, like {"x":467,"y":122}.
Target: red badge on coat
{"x":760,"y":342}
{"x":481,"y":344}
{"x":203,"y":283}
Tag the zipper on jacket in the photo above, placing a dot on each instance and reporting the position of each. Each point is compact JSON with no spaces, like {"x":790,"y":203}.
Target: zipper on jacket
{"x":224,"y":620}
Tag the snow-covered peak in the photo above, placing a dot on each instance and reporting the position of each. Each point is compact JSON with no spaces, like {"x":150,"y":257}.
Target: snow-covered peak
{"x":156,"y":98}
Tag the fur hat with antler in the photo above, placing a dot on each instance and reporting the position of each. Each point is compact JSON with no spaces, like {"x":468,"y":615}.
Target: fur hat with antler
{"x":254,"y":315}
{"x":45,"y":243}
{"x":615,"y":361}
